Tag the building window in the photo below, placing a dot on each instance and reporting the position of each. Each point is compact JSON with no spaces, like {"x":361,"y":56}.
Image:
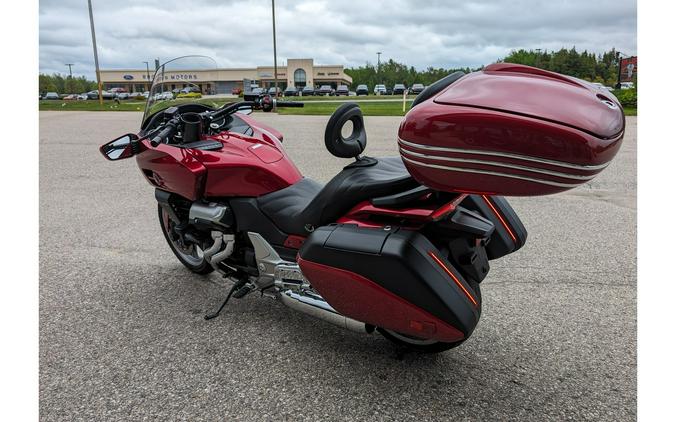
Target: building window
{"x":299,"y":78}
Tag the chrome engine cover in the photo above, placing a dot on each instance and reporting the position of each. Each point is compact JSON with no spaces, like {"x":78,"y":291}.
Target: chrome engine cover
{"x":292,"y":289}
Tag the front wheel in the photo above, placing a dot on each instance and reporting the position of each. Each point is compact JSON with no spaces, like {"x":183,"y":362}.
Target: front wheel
{"x":190,"y":255}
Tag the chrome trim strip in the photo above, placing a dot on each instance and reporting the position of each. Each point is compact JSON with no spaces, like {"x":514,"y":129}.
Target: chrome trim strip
{"x":498,"y":164}
{"x":503,"y":154}
{"x":493,"y":173}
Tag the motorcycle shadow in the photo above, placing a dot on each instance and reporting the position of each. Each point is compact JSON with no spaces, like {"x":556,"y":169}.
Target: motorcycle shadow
{"x":309,"y":335}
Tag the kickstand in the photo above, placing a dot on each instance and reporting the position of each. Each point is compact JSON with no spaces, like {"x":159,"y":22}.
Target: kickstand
{"x":239,"y":284}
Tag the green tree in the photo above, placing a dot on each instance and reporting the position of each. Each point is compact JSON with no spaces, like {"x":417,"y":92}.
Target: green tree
{"x":64,"y":84}
{"x":596,"y":68}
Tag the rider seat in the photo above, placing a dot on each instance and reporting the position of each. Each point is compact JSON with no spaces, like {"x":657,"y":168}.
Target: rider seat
{"x":305,"y":205}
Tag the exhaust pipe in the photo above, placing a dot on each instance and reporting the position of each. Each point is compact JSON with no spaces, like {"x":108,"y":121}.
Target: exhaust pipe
{"x":320,"y":309}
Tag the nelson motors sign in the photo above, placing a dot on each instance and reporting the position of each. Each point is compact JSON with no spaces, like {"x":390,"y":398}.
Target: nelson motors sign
{"x":178,"y":77}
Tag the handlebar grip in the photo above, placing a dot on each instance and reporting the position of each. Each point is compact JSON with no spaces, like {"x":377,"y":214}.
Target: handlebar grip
{"x":290,"y":104}
{"x":164,"y":134}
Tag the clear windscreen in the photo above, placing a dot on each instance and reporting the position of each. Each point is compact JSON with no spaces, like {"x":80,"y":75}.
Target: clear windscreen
{"x":187,"y":79}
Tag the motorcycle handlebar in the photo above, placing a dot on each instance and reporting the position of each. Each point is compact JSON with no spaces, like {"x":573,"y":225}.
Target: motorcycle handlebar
{"x":165,"y":133}
{"x":289,"y":104}
{"x":265,"y":103}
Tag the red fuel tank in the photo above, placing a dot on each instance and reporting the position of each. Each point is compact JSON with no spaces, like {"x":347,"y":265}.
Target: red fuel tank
{"x":512,"y":130}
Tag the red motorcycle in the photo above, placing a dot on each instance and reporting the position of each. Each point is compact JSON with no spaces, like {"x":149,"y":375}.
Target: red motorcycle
{"x":397,"y":244}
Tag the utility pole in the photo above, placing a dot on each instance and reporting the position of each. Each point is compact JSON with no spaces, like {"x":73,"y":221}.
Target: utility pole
{"x":70,"y":77}
{"x":378,"y":64}
{"x":538,"y":59}
{"x":274,"y":40}
{"x":93,"y":40}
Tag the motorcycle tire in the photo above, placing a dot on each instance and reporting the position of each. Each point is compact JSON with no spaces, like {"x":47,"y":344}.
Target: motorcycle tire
{"x":423,"y":345}
{"x":192,"y":263}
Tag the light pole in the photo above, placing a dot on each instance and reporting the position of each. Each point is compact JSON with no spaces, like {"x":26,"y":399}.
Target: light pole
{"x":618,"y":74}
{"x":93,"y":41}
{"x":70,"y":77}
{"x":274,"y":41}
{"x":537,"y":60}
{"x":378,"y":64}
{"x":147,"y":71}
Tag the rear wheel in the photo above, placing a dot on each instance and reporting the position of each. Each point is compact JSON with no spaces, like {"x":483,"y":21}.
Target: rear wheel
{"x":417,"y":344}
{"x":424,"y":345}
{"x":190,"y":255}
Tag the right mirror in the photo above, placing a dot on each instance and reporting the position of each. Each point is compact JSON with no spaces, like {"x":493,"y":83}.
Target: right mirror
{"x":119,"y":148}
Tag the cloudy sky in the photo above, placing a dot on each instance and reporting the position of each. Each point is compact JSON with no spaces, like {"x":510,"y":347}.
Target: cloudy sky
{"x":238,"y":33}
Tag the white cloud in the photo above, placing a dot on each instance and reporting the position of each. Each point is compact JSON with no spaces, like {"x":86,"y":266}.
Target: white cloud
{"x":238,"y":32}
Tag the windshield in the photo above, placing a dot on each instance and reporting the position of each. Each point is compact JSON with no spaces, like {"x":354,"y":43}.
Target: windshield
{"x":188,"y":79}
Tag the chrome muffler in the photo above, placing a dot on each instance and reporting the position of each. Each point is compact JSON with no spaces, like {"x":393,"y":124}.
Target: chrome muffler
{"x":293,"y":289}
{"x":318,"y":308}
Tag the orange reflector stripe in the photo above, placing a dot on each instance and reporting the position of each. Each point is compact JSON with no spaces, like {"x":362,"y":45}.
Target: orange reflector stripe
{"x":453,"y":277}
{"x":506,"y":226}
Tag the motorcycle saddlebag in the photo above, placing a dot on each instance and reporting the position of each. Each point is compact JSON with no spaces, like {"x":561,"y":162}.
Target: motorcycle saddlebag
{"x":509,"y":234}
{"x":512,"y":130}
{"x":390,"y":278}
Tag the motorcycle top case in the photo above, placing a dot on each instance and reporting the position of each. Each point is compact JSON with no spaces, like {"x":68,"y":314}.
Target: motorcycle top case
{"x":512,"y":130}
{"x":390,"y":278}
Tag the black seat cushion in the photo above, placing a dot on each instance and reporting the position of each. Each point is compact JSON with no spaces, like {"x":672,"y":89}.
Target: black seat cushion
{"x":305,"y":205}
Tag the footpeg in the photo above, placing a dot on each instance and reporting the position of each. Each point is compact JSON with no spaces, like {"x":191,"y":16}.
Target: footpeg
{"x":243,"y":291}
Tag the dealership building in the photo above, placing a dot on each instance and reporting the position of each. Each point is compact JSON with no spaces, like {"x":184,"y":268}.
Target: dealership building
{"x":297,"y":73}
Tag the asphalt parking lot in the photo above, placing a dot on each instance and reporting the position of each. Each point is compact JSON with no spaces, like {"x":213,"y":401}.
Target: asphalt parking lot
{"x":122,"y":334}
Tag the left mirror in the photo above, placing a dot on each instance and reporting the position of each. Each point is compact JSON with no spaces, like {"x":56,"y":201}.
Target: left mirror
{"x":119,"y":148}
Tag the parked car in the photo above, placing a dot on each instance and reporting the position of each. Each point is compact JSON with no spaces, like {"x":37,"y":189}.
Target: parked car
{"x":601,"y":86}
{"x":189,"y":89}
{"x":389,"y":92}
{"x":380,"y":90}
{"x":136,"y":95}
{"x":146,"y":94}
{"x":70,"y":97}
{"x":627,"y":85}
{"x":122,"y":95}
{"x":51,"y":96}
{"x":308,"y":90}
{"x":273,"y":91}
{"x":166,"y":95}
{"x":399,"y":89}
{"x":236,"y":91}
{"x":352,"y":94}
{"x":257,"y":91}
{"x":291,"y":91}
{"x":82,"y":96}
{"x":93,"y":95}
{"x":362,"y":90}
{"x":326,"y":90}
{"x":117,"y":90}
{"x":342,"y":90}
{"x":416,"y":88}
